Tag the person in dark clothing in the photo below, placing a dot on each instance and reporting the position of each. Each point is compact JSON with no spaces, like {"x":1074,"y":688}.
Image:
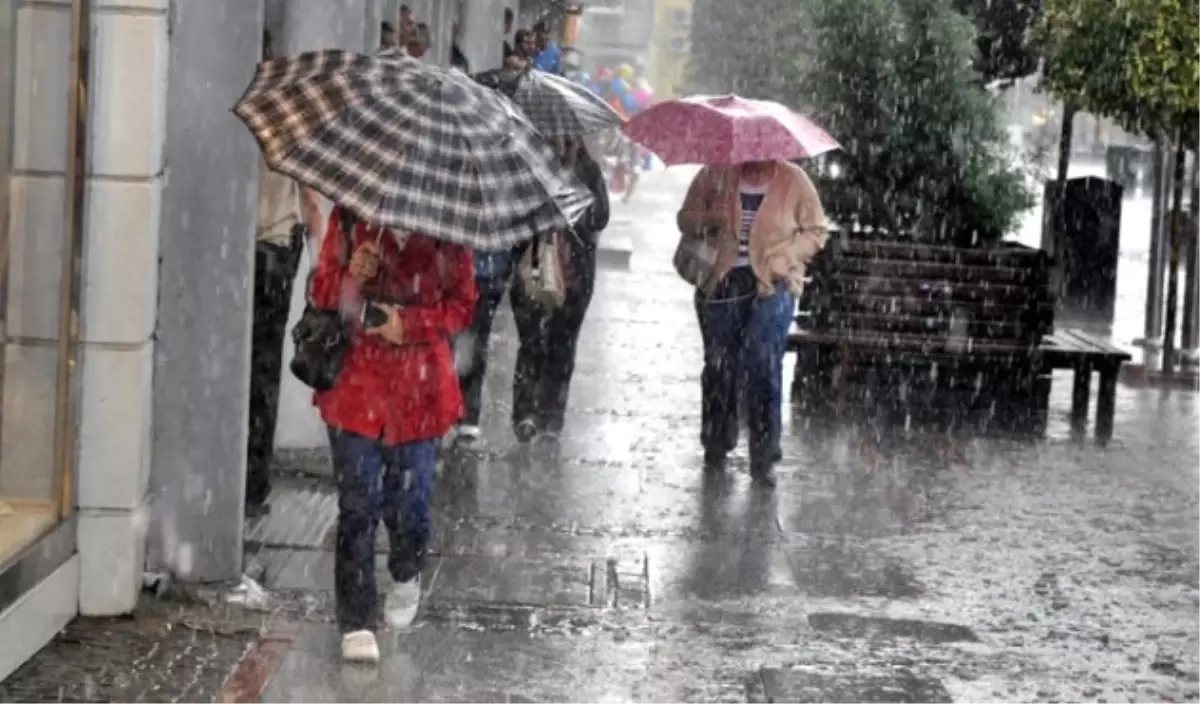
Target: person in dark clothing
{"x":459,"y":60}
{"x":388,"y":38}
{"x":493,"y":271}
{"x":287,"y":215}
{"x":548,"y":337}
{"x":524,"y":45}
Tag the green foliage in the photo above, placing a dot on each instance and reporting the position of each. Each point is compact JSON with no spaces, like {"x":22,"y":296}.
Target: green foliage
{"x":924,"y":153}
{"x":743,"y":47}
{"x":1004,"y":37}
{"x":1165,"y":66}
{"x":1087,"y":47}
{"x":1135,"y":61}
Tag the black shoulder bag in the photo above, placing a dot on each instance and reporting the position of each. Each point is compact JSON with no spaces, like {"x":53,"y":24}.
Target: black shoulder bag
{"x":321,"y":336}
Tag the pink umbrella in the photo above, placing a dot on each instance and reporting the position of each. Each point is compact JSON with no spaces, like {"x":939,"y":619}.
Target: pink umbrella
{"x":726,"y":129}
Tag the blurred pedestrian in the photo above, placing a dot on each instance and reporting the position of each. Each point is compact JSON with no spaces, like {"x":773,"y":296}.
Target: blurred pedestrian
{"x":388,"y":39}
{"x":419,"y":41}
{"x":493,"y":272}
{"x":404,"y":296}
{"x":549,"y":335}
{"x":766,"y":223}
{"x":288,"y":216}
{"x":524,"y":45}
{"x":547,"y":57}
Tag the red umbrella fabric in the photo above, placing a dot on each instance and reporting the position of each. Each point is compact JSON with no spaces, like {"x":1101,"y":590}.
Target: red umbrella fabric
{"x":726,"y":129}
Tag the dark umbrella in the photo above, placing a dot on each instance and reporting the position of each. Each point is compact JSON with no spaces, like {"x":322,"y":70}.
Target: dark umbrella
{"x":410,"y":146}
{"x":557,"y":107}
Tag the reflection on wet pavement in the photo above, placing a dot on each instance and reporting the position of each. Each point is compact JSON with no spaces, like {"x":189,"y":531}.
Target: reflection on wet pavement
{"x":887,"y":566}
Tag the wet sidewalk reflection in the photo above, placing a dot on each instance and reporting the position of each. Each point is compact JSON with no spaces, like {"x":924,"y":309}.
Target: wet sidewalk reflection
{"x":887,"y":565}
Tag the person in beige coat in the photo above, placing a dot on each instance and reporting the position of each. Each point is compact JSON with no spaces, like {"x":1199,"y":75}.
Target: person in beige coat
{"x":765,"y":221}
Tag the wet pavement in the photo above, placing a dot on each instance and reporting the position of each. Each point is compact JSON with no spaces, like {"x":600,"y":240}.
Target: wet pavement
{"x":170,"y":652}
{"x":887,"y":566}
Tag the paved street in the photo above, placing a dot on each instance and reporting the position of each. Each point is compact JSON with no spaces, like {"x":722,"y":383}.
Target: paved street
{"x":886,"y":566}
{"x":898,"y":566}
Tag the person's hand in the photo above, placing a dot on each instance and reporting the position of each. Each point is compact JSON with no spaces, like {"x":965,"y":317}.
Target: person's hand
{"x":393,"y":329}
{"x":364,"y":264}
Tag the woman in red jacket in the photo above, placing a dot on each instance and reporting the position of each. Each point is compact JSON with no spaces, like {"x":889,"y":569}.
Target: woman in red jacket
{"x":396,"y":394}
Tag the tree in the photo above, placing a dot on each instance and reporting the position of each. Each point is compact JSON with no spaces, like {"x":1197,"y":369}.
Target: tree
{"x":1164,"y":72}
{"x":1165,"y":81}
{"x":1086,"y":55}
{"x":923,"y":153}
{"x":1004,"y":37}
{"x":1135,"y":61}
{"x":744,"y":47}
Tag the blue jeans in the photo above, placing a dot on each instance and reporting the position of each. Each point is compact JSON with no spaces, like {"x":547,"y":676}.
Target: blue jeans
{"x":745,"y":338}
{"x":492,"y":273}
{"x":374,"y":482}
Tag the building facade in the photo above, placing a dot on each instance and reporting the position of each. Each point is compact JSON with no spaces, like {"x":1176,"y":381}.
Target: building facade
{"x":671,"y":48}
{"x":615,"y":32}
{"x":126,"y":328}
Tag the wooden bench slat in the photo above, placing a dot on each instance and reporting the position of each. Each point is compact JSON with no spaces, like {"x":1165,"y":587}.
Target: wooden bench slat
{"x":929,"y":289}
{"x":1015,"y":256}
{"x":1059,"y":351}
{"x":912,"y":305}
{"x":896,"y":341}
{"x":1071,"y":343}
{"x":946,"y":271}
{"x":963,"y":325}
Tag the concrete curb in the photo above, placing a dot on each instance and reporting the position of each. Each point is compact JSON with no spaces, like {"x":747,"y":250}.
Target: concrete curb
{"x":614,"y":252}
{"x":1138,"y":375}
{"x":251,"y":676}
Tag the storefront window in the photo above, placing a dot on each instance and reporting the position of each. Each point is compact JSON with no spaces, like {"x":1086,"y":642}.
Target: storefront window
{"x":35,"y":224}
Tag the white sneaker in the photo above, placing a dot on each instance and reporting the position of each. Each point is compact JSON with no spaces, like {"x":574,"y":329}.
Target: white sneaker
{"x":468,"y":433}
{"x":403,"y":600}
{"x":360,"y":646}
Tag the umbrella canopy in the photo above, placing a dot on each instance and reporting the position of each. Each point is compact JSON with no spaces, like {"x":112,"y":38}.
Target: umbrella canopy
{"x":706,"y":129}
{"x":410,"y":146}
{"x":557,"y":106}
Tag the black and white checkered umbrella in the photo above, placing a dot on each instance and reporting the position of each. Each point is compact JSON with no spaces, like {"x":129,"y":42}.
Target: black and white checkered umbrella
{"x":410,"y":146}
{"x":559,"y":107}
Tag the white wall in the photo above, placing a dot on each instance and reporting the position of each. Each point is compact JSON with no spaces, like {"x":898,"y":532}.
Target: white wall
{"x":120,"y":251}
{"x":483,"y":33}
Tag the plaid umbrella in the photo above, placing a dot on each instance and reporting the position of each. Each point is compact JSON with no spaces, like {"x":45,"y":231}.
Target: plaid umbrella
{"x":558,"y":107}
{"x":410,"y":146}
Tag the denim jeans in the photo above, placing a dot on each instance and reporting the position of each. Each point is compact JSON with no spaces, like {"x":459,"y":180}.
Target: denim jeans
{"x":745,"y":338}
{"x":374,"y":482}
{"x":492,"y":273}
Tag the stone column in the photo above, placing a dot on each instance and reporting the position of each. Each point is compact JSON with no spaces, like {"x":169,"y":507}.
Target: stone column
{"x":119,"y":282}
{"x":372,"y":18}
{"x":483,"y":33}
{"x":443,"y":15}
{"x":205,"y":293}
{"x":305,"y":25}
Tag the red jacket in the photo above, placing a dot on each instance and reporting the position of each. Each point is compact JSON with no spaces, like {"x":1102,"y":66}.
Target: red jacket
{"x":397,"y":393}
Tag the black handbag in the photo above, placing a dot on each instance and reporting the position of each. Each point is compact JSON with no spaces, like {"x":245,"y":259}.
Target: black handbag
{"x":321,"y":336}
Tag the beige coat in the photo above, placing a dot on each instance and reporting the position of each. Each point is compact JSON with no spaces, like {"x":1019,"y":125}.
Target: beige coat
{"x":788,"y":230}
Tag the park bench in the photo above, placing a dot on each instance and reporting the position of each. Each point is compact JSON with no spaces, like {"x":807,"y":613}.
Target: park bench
{"x":949,"y":334}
